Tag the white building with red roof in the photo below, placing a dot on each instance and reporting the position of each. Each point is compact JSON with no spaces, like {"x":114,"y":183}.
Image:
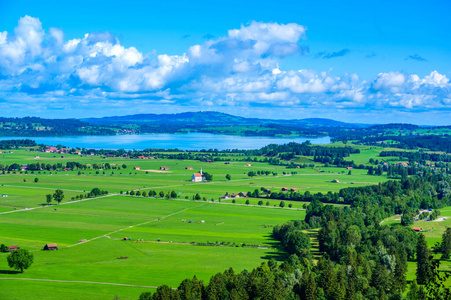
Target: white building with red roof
{"x":198,"y":177}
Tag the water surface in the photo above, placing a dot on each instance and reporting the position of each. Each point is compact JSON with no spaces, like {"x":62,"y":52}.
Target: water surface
{"x":190,"y":141}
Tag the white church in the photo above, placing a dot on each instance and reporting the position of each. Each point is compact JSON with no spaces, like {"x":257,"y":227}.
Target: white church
{"x":198,"y":177}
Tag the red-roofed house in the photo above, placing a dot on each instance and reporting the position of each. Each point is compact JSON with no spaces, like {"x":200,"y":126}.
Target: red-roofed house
{"x":418,"y":229}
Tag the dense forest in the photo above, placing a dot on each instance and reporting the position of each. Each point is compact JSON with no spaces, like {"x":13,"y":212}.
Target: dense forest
{"x":360,"y":257}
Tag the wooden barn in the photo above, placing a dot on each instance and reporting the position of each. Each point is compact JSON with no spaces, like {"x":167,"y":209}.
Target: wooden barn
{"x":51,"y":247}
{"x":13,"y":248}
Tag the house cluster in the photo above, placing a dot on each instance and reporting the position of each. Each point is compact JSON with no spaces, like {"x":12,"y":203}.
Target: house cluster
{"x":146,"y":157}
{"x":285,"y":189}
{"x":5,"y":151}
{"x":232,"y":196}
{"x":50,"y":149}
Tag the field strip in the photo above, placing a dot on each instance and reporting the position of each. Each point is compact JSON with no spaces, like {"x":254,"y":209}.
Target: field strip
{"x":76,"y":281}
{"x":217,"y":202}
{"x":55,"y":206}
{"x":136,"y":225}
{"x":236,"y":180}
{"x":42,"y":188}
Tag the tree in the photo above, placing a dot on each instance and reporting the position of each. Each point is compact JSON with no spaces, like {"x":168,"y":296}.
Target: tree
{"x":48,"y":198}
{"x":251,"y":174}
{"x":173,"y":194}
{"x":161,"y":194}
{"x":197,"y":197}
{"x":3,"y":248}
{"x":228,"y":177}
{"x":446,"y":244}
{"x":20,"y":259}
{"x":124,"y":166}
{"x":96,"y":192}
{"x":58,"y":196}
{"x":424,"y":274}
{"x":406,"y":219}
{"x":208,"y":177}
{"x":36,"y":179}
{"x":260,"y":202}
{"x":247,"y":201}
{"x":282,"y":204}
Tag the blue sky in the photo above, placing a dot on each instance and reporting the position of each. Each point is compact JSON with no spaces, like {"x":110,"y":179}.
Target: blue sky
{"x":355,"y":61}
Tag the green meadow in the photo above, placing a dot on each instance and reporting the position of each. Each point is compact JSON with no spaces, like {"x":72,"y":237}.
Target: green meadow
{"x":170,"y":239}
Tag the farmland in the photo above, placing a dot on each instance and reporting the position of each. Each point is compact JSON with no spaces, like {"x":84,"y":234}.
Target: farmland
{"x":168,"y":238}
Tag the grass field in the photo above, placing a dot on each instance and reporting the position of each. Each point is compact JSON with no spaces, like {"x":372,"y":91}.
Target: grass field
{"x":105,"y":221}
{"x":165,"y":253}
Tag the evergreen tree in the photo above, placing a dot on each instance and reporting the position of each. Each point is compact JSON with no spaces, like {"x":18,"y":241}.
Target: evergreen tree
{"x":446,"y":244}
{"x":424,"y":274}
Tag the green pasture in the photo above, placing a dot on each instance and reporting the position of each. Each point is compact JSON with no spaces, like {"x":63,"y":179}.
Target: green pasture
{"x":319,"y":179}
{"x":150,"y":263}
{"x":165,"y":253}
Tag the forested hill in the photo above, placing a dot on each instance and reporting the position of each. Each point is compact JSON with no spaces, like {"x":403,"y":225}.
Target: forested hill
{"x":33,"y":126}
{"x":211,"y":118}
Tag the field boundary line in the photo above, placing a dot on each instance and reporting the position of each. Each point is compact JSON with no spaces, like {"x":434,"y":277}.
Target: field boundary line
{"x":77,"y":281}
{"x":136,"y":225}
{"x":55,"y":206}
{"x":42,"y":188}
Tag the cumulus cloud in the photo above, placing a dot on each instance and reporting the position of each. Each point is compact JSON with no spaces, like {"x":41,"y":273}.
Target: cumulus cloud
{"x":241,"y":68}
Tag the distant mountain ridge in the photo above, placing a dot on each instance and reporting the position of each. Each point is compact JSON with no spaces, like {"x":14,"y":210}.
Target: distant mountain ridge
{"x":212,"y":118}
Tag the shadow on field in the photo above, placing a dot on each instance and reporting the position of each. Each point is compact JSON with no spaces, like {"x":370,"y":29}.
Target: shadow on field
{"x":278,"y":256}
{"x":9,"y":272}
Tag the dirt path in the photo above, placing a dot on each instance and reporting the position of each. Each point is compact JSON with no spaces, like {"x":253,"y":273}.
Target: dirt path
{"x":76,"y":281}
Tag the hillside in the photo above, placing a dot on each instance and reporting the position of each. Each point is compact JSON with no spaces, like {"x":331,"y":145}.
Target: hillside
{"x":212,"y":118}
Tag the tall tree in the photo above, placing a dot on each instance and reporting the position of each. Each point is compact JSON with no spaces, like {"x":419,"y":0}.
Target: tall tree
{"x":58,"y":196}
{"x":446,"y":244}
{"x":424,"y":274}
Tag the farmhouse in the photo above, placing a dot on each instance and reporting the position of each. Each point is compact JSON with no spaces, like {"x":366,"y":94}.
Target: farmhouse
{"x":164,"y":168}
{"x":51,"y":247}
{"x":188,"y":168}
{"x":36,"y":157}
{"x":4,"y":195}
{"x":336,"y":180}
{"x":418,"y":229}
{"x":284,"y":189}
{"x":198,"y":177}
{"x":13,"y":248}
{"x":137,"y":168}
{"x":248,"y":165}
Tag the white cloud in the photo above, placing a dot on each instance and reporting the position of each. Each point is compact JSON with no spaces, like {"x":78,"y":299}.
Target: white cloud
{"x":239,"y":69}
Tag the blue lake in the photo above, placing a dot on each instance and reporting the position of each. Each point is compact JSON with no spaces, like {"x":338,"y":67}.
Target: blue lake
{"x":190,"y":141}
